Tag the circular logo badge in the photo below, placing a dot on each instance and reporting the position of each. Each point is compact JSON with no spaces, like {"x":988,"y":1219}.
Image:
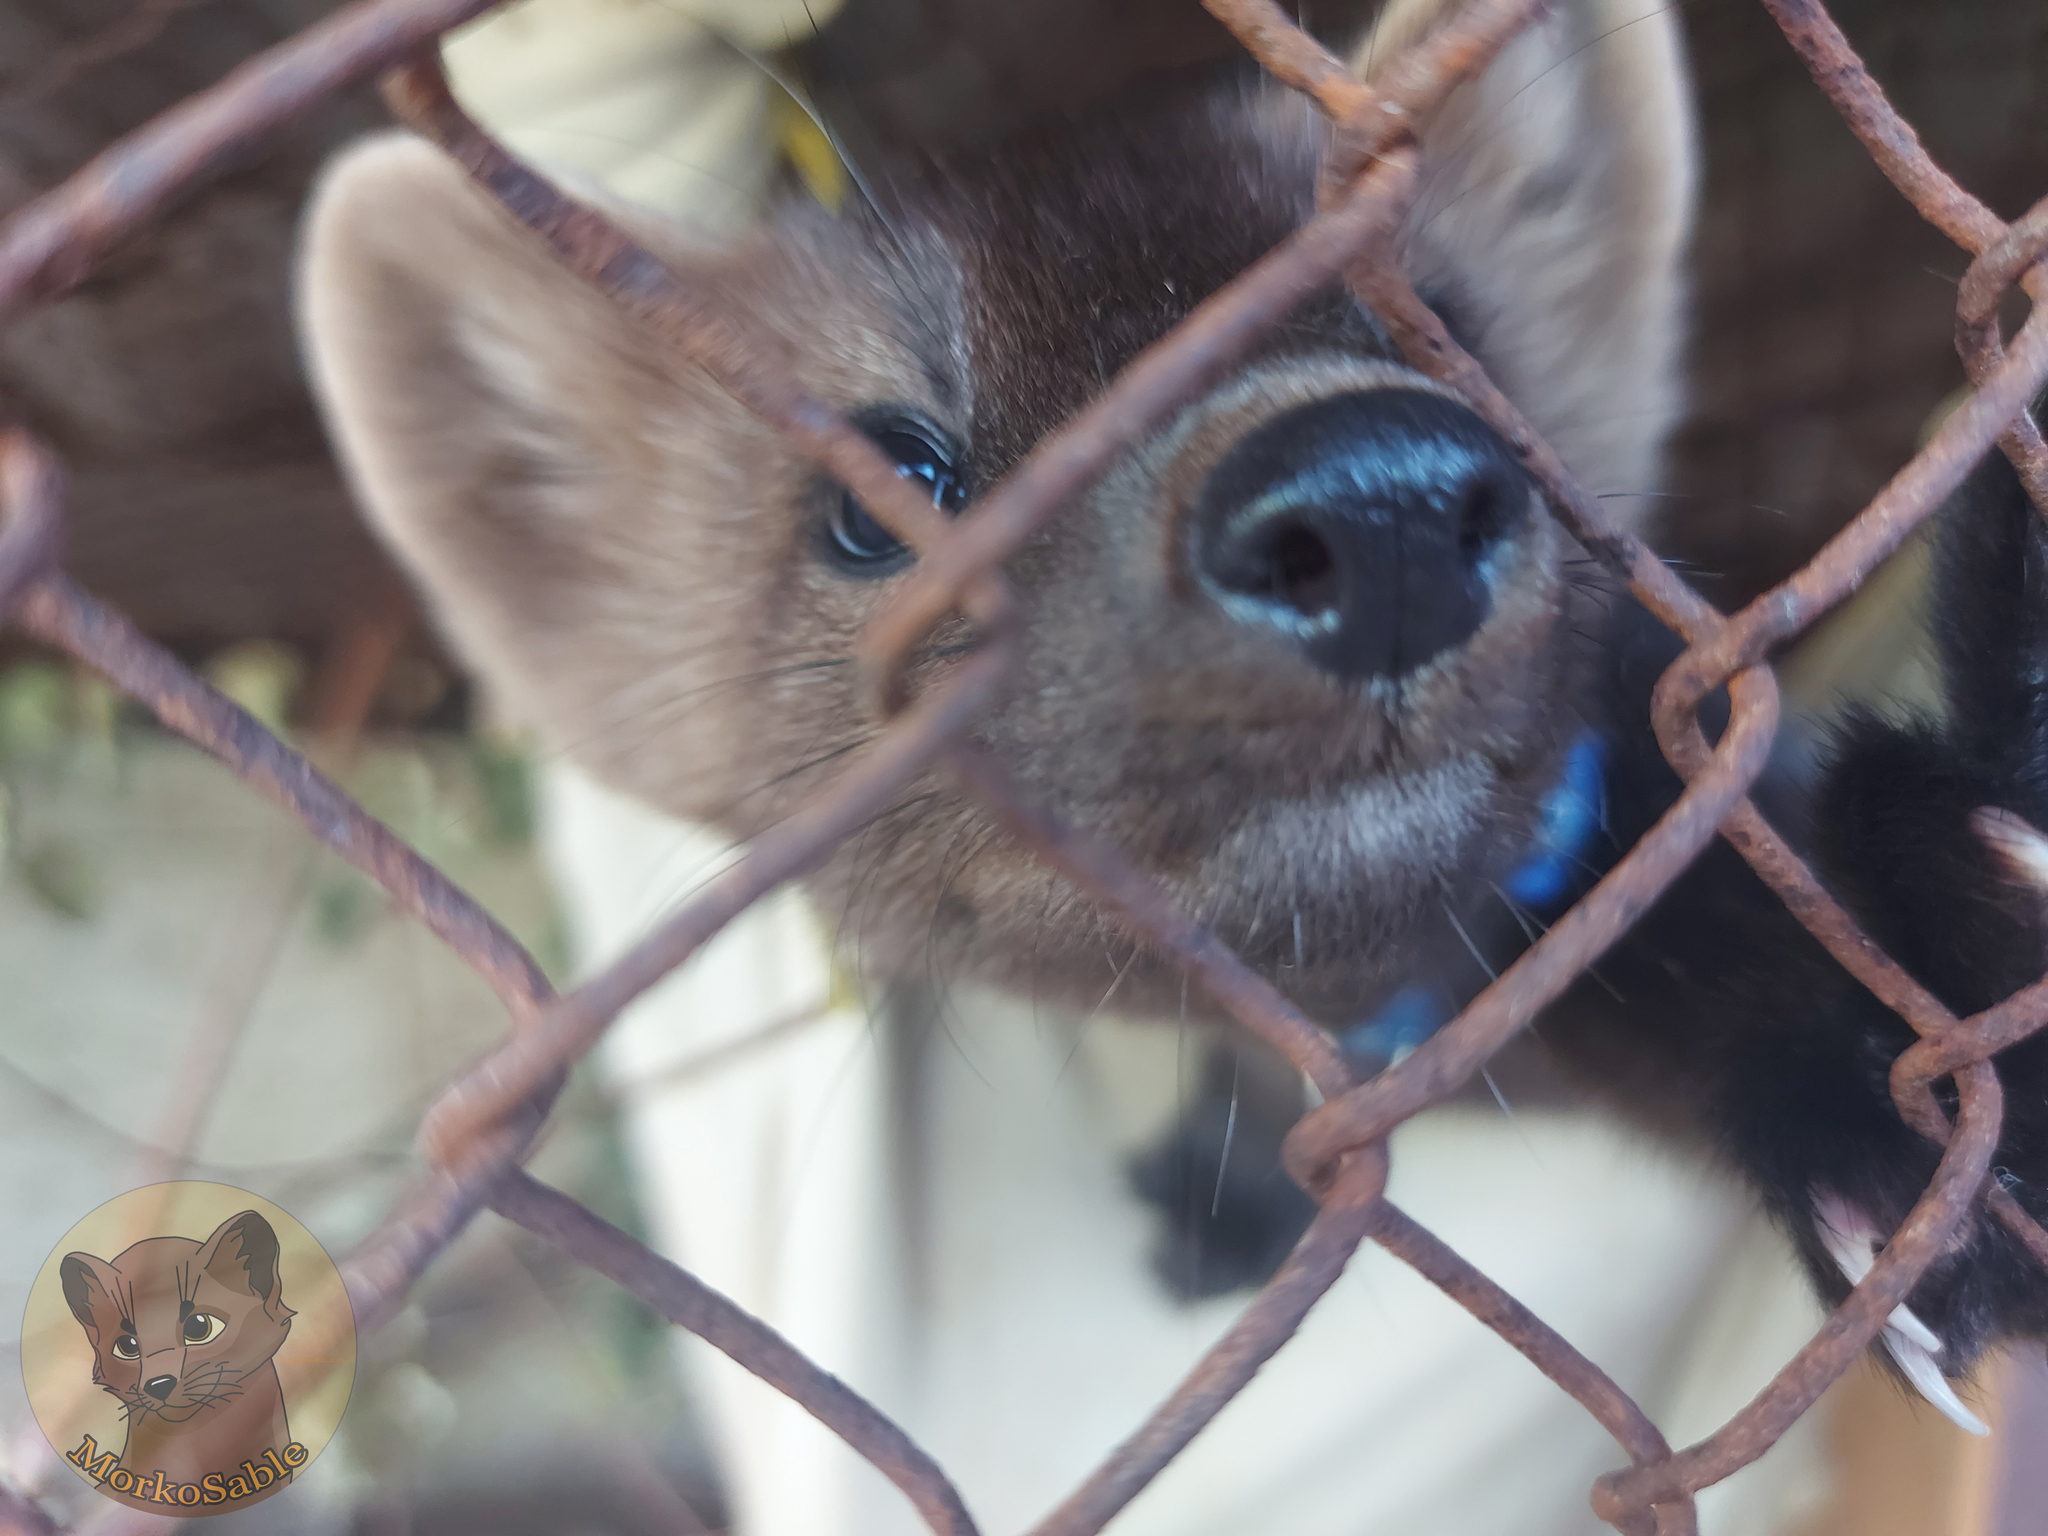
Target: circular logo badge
{"x":188,"y":1348}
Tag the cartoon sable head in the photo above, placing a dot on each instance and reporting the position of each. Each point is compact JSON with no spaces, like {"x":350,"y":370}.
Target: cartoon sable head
{"x":183,"y":1333}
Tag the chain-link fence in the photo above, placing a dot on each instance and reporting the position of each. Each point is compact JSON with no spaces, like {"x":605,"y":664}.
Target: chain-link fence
{"x":478,"y":1130}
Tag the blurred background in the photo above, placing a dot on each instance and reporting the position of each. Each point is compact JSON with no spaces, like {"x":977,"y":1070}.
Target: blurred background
{"x":169,"y":946}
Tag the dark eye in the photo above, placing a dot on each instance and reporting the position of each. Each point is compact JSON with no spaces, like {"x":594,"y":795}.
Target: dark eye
{"x":859,"y":541}
{"x":204,"y":1328}
{"x":125,"y":1347}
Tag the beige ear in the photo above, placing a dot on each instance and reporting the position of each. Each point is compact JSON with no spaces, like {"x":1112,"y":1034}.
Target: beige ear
{"x":1556,"y":202}
{"x":535,"y":460}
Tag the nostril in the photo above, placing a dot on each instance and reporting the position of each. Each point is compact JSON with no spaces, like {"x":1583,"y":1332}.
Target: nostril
{"x":1294,"y":566}
{"x":1486,"y":515}
{"x":159,"y":1387}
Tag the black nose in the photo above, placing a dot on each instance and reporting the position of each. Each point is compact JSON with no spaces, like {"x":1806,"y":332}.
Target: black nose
{"x":159,"y":1387}
{"x":1361,"y":528}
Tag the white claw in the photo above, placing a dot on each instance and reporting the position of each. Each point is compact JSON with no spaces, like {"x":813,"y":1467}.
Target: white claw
{"x":1852,"y":1243}
{"x":1847,"y":1235}
{"x":1921,"y":1370}
{"x":2016,"y":843}
{"x":1903,"y":1321}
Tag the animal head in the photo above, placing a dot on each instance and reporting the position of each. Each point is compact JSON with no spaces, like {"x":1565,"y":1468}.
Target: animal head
{"x":1312,"y":652}
{"x":175,"y":1324}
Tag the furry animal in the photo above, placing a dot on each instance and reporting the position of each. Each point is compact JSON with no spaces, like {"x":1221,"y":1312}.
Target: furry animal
{"x":183,"y":1334}
{"x":1314,"y":653}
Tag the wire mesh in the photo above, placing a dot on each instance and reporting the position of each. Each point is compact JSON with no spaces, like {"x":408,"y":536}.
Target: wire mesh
{"x":477,"y":1132}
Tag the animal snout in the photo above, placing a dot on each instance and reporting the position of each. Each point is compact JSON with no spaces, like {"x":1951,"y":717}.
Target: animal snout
{"x":159,"y":1387}
{"x":1361,"y":528}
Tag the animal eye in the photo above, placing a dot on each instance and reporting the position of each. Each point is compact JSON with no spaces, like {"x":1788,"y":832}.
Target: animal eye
{"x":204,"y":1328}
{"x":859,"y":541}
{"x":125,"y":1347}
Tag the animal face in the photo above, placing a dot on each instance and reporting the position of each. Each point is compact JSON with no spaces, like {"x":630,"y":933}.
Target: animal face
{"x":1311,"y":652}
{"x":176,"y":1324}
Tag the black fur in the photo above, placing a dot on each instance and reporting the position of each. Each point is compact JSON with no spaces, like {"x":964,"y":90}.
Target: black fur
{"x":1775,"y":1052}
{"x":1231,"y":1211}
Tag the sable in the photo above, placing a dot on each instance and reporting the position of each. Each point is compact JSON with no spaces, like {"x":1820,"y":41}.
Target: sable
{"x":1315,"y":655}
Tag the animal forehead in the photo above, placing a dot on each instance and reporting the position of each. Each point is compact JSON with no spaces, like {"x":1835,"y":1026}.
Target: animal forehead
{"x":1081,"y":242}
{"x":207,"y":1287}
{"x":156,"y":1274}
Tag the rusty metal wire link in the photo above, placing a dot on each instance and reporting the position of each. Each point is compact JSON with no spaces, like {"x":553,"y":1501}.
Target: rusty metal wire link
{"x":31,"y":533}
{"x":2018,"y":257}
{"x":689,"y":1303}
{"x":481,"y":1126}
{"x":1350,"y":1210}
{"x":50,"y":245}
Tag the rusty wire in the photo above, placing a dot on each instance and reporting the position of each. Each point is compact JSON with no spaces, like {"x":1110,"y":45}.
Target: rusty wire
{"x":479,"y":1129}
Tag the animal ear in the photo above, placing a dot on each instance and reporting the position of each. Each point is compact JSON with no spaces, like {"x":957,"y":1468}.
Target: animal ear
{"x":88,"y":1286}
{"x":503,"y":423}
{"x":242,"y":1256}
{"x":1551,"y":223}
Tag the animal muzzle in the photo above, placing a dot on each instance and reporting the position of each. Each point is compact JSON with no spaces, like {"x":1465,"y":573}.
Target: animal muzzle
{"x":1363,"y":529}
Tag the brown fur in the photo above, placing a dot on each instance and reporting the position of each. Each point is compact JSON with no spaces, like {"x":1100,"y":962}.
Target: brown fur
{"x":226,"y":1405}
{"x":633,"y":563}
